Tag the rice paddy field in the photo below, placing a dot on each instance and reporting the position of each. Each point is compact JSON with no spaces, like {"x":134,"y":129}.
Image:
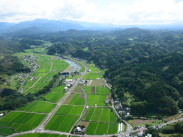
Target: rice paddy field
{"x":101,"y":121}
{"x":59,"y":89}
{"x":48,"y":67}
{"x":92,"y":75}
{"x":20,"y":121}
{"x":53,"y":97}
{"x":38,"y":106}
{"x":96,"y":99}
{"x":61,"y":123}
{"x":41,"y":135}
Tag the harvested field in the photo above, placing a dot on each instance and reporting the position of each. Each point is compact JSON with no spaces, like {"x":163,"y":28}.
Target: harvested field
{"x":109,"y":97}
{"x":68,"y":99}
{"x":97,"y":82}
{"x":85,"y":114}
{"x":93,"y":90}
{"x":173,"y":117}
{"x":83,"y":123}
{"x":78,"y":90}
{"x":139,"y":121}
{"x":81,"y":96}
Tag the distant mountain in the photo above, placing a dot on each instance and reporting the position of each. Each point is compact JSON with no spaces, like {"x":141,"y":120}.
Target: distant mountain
{"x":5,"y":25}
{"x":45,"y":25}
{"x":26,"y":31}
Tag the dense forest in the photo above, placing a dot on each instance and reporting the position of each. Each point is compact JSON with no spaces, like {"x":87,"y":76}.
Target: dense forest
{"x":145,"y":64}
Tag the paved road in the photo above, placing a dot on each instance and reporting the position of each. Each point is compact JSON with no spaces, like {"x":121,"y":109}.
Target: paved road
{"x":129,"y":127}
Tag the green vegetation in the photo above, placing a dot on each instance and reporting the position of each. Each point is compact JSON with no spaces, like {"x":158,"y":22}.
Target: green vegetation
{"x":59,"y":89}
{"x":53,"y":97}
{"x":70,"y":110}
{"x":61,"y":123}
{"x":92,"y":76}
{"x":42,"y":107}
{"x":20,"y":121}
{"x":96,"y":99}
{"x":41,"y":135}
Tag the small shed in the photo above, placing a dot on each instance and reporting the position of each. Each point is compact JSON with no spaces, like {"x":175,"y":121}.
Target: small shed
{"x":1,"y":114}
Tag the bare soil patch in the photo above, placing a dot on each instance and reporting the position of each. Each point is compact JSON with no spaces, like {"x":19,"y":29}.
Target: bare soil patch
{"x":68,"y":99}
{"x":93,"y":90}
{"x":78,"y":90}
{"x":81,"y":96}
{"x":172,"y":117}
{"x":109,"y":97}
{"x":139,"y":121}
{"x":97,"y":82}
{"x":83,"y":123}
{"x":86,"y":113}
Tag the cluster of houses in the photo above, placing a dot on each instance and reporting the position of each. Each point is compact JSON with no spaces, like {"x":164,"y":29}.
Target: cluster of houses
{"x":122,"y":111}
{"x":31,"y":60}
{"x":22,"y":76}
{"x":68,"y":83}
{"x":142,"y":134}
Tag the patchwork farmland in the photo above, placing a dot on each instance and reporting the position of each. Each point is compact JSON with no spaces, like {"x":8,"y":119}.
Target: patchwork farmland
{"x":98,"y":119}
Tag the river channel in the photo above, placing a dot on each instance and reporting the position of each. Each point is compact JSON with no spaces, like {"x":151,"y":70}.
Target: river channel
{"x":73,"y":66}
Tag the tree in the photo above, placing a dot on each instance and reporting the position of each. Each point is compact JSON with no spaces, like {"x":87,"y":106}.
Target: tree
{"x":180,"y":103}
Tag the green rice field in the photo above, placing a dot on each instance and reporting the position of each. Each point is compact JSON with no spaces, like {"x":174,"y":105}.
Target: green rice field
{"x":41,"y":135}
{"x":36,"y":106}
{"x":92,"y":76}
{"x":101,"y":128}
{"x":93,"y":69}
{"x":76,"y":100}
{"x":70,"y":110}
{"x":53,"y":97}
{"x":20,"y":121}
{"x":61,"y":123}
{"x":59,"y":89}
{"x":96,"y":99}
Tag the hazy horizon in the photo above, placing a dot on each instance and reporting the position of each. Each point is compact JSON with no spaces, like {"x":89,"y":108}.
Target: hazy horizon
{"x":131,"y":12}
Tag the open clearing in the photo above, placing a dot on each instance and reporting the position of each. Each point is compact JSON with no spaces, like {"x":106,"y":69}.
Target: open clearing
{"x":36,"y":106}
{"x":53,"y":97}
{"x":21,"y":121}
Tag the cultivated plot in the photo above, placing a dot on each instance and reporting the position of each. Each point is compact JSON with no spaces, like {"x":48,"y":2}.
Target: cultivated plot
{"x":36,"y":106}
{"x":78,"y":90}
{"x":70,"y":110}
{"x":21,"y":121}
{"x":41,"y":135}
{"x":96,"y":100}
{"x":97,"y":82}
{"x":61,"y":123}
{"x":53,"y":97}
{"x":59,"y":89}
{"x":92,"y":76}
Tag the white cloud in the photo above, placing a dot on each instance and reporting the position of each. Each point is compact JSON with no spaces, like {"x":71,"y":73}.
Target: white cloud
{"x":116,"y":12}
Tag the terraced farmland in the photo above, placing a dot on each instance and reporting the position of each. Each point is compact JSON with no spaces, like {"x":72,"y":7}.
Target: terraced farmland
{"x":20,"y":121}
{"x":59,"y":89}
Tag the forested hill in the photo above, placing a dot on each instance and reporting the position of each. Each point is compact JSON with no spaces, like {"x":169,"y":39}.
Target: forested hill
{"x":156,"y":82}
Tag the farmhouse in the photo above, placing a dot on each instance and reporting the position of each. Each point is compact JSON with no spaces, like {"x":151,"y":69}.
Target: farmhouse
{"x":106,"y":101}
{"x":78,"y":129}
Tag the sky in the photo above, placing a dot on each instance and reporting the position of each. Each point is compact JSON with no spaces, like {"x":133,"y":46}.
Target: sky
{"x":121,"y":12}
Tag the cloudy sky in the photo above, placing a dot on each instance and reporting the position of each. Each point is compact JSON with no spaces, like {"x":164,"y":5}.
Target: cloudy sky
{"x":122,"y":12}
